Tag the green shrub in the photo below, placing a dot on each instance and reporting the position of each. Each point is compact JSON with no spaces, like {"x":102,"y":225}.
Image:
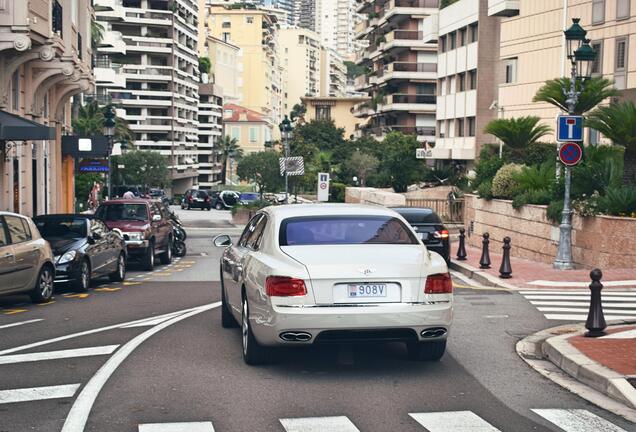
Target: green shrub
{"x":620,"y":201}
{"x":540,"y":153}
{"x":485,"y":190}
{"x":486,"y":169}
{"x":504,"y":185}
{"x":337,"y":192}
{"x":254,"y":205}
{"x":555,"y":210}
{"x":534,"y":178}
{"x":537,"y":196}
{"x":602,"y":168}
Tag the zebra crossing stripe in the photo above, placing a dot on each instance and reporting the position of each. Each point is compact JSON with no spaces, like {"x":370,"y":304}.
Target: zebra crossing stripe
{"x":177,"y":427}
{"x":605,"y":293}
{"x":576,"y":297}
{"x":453,"y":421}
{"x":57,"y":355}
{"x":577,"y":420}
{"x":38,"y":393}
{"x":319,"y":424}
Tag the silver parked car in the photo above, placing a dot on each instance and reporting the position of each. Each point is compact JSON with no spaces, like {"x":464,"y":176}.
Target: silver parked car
{"x":26,"y":260}
{"x":330,"y":273}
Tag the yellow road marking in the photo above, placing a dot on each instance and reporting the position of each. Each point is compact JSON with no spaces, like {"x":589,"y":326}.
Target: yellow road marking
{"x":14,"y":311}
{"x":187,"y":262}
{"x":162,"y":274}
{"x":179,"y":270}
{"x":131,"y":283}
{"x":107,"y":289}
{"x":47,"y":303}
{"x":80,"y":296}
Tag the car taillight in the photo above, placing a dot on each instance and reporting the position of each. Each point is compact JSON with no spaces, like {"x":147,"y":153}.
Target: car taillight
{"x":283,"y":286}
{"x":440,"y":283}
{"x":190,"y":198}
{"x":207,"y":199}
{"x":442,"y":234}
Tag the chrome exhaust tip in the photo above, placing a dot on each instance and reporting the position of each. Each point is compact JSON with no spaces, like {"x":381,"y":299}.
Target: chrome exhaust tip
{"x":433,"y":332}
{"x":295,"y":336}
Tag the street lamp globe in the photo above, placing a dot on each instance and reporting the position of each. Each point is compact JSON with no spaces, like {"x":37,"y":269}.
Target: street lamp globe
{"x":584,"y":57}
{"x":574,"y":37}
{"x":285,"y":128}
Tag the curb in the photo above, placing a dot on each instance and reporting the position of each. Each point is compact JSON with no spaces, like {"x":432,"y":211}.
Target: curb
{"x":481,"y":276}
{"x":551,"y":345}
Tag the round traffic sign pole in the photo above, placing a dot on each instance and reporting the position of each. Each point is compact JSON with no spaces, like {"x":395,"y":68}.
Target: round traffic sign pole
{"x":570,"y":154}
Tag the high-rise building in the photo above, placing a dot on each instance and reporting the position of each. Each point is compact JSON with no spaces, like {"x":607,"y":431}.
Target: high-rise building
{"x":400,"y":68}
{"x":333,"y":74}
{"x":210,"y":133}
{"x":300,"y":55}
{"x":334,"y":21}
{"x":227,"y":65}
{"x":153,"y":78}
{"x":306,"y":13}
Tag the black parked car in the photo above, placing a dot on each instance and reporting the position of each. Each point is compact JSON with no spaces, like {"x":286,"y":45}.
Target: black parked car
{"x":428,"y":225}
{"x":195,"y":198}
{"x":83,"y":248}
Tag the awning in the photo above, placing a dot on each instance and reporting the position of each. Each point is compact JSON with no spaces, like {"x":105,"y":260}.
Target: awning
{"x":16,"y":128}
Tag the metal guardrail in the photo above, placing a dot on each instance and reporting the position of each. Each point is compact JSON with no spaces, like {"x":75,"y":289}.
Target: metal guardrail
{"x":449,"y":211}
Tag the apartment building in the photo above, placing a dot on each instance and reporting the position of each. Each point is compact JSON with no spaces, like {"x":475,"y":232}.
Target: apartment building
{"x":210,"y":134}
{"x":251,"y":129}
{"x":227,"y":66}
{"x":401,"y":68}
{"x":306,"y":12}
{"x":44,"y":61}
{"x":467,"y":78}
{"x":336,"y":109}
{"x":333,"y":76}
{"x":255,"y":32}
{"x":153,"y":79}
{"x":532,"y":49}
{"x":300,"y":52}
{"x":335,"y":22}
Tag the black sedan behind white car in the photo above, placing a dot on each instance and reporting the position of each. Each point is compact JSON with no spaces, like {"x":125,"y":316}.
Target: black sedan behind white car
{"x":312,"y":274}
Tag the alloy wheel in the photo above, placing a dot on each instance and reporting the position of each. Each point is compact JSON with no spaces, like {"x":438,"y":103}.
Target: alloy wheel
{"x":122,"y":267}
{"x":46,"y":283}
{"x":85,"y":276}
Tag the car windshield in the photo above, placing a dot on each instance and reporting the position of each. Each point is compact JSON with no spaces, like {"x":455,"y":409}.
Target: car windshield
{"x":249,"y":196}
{"x":123,"y":211}
{"x":322,"y":230}
{"x":71,"y":228}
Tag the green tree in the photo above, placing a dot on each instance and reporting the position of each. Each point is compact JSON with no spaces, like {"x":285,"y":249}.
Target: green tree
{"x":398,"y":164}
{"x":298,"y":111}
{"x":84,"y":184}
{"x":322,"y":133}
{"x":595,"y":90}
{"x":146,"y":168}
{"x":205,"y":65}
{"x":97,"y":34}
{"x":353,"y":70}
{"x":230,"y":149}
{"x":617,"y":122}
{"x":445,"y":3}
{"x":261,"y":168}
{"x":90,"y":121}
{"x":517,"y":133}
{"x":363,"y":164}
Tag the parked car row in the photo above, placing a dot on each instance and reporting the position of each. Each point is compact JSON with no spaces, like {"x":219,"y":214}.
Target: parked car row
{"x":76,"y":248}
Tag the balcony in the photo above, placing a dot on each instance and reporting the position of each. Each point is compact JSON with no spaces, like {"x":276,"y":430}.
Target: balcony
{"x":362,"y":109}
{"x":503,"y":8}
{"x":404,"y":39}
{"x":407,"y":7}
{"x":407,"y":71}
{"x":419,"y":131}
{"x":409,"y":103}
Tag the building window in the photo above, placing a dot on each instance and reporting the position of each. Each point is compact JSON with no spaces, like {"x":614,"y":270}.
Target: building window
{"x":472,"y":79}
{"x":15,"y":91}
{"x":450,"y":124}
{"x":597,"y":66}
{"x":441,"y":88}
{"x":323,"y":113}
{"x":461,"y":78}
{"x":442,"y":44}
{"x":226,"y":37}
{"x":451,"y":39}
{"x":226,"y":24}
{"x":474,"y":32}
{"x":462,"y":37}
{"x":471,"y":126}
{"x":236,"y":133}
{"x":249,"y":20}
{"x":452,"y":88}
{"x":253,"y":134}
{"x":621,"y":54}
{"x":622,"y":9}
{"x":460,"y":127}
{"x":598,"y":11}
{"x":510,"y":66}
{"x":440,"y":128}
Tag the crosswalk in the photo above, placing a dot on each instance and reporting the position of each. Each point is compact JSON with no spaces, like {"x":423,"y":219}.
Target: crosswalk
{"x":573,"y":305}
{"x":568,"y":420}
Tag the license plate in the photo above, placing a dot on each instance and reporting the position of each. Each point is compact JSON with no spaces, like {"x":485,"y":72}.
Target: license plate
{"x":367,"y":290}
{"x":199,"y":199}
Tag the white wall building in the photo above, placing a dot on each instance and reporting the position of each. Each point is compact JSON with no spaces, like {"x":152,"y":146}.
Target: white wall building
{"x":210,"y":134}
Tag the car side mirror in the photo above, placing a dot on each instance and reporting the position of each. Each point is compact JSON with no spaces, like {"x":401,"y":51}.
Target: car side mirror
{"x":156,"y":218}
{"x":222,"y":240}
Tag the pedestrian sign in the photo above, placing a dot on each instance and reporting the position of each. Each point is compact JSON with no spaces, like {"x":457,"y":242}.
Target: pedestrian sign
{"x":570,"y":154}
{"x":570,"y":128}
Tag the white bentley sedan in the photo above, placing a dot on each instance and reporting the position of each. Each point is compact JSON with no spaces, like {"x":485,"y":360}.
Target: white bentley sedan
{"x":334,"y":273}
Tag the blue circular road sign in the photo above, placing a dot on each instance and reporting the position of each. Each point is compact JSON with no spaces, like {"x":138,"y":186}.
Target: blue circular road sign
{"x":570,"y":153}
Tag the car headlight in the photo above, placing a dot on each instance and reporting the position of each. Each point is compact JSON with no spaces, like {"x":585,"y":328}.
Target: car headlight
{"x":135,"y":236}
{"x":67,"y":257}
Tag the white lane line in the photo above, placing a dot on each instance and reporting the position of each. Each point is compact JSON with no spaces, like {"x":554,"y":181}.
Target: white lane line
{"x":20,"y":323}
{"x":319,"y":424}
{"x":585,"y":310}
{"x":555,"y":284}
{"x":581,"y":304}
{"x":453,"y":421}
{"x":577,"y":420}
{"x":38,"y":393}
{"x":177,"y":427}
{"x":577,"y":292}
{"x":572,"y":317}
{"x":56,"y":355}
{"x":151,"y":321}
{"x":84,"y":333}
{"x":77,"y":417}
{"x":627,"y":334}
{"x":575,"y":297}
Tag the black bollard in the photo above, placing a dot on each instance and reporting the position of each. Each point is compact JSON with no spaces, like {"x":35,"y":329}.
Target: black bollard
{"x":505,"y":270}
{"x":595,"y":320}
{"x":484,"y":261}
{"x":461,"y":251}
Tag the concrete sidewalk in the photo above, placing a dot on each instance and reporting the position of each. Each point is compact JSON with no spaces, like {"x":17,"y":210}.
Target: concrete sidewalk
{"x":606,"y":365}
{"x":528,"y":274}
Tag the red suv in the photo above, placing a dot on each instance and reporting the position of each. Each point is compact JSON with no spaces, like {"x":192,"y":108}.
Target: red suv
{"x":145,"y":225}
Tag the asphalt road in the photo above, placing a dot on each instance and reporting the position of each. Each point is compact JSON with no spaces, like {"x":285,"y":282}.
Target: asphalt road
{"x":151,"y":351}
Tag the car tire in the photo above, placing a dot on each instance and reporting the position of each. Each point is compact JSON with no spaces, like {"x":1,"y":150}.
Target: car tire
{"x":148,"y":260}
{"x":253,"y":353}
{"x":426,"y":351}
{"x":166,"y":257}
{"x":120,"y":273}
{"x":180,"y":249}
{"x":189,"y":207}
{"x":43,"y":290}
{"x":218,"y":206}
{"x":83,"y":282}
{"x":227,"y":320}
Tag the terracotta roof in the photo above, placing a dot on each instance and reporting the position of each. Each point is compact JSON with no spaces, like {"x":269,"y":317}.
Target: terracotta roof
{"x":241,"y":114}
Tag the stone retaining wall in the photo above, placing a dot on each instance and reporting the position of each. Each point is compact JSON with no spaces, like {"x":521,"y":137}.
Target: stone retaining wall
{"x":601,"y":241}
{"x":374,"y":196}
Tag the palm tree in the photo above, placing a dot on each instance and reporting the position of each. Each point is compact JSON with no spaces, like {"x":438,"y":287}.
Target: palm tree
{"x":617,"y":122}
{"x":90,"y":120}
{"x":97,"y":33}
{"x":595,"y":90}
{"x":230,"y":149}
{"x":518,"y":133}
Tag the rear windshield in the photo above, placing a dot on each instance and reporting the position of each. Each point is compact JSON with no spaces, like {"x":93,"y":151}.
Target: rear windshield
{"x":122,"y":211}
{"x":419,"y":216}
{"x":62,"y":228}
{"x":202,"y":194}
{"x":324,"y":230}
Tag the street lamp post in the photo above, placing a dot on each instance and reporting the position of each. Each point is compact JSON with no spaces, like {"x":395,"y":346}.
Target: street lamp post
{"x":286,"y":132}
{"x":581,"y":56}
{"x":109,"y":133}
